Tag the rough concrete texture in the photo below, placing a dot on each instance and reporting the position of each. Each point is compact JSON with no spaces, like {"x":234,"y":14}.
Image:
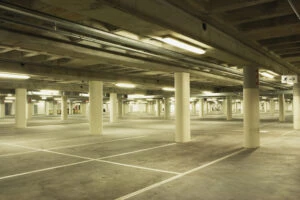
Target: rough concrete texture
{"x":52,"y":159}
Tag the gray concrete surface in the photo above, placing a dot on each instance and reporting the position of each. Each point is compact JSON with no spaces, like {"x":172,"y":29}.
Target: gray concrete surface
{"x":137,"y":157}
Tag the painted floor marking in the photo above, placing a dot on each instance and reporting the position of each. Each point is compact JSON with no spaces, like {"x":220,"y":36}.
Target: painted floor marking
{"x":86,"y":159}
{"x":91,"y":143}
{"x":42,"y":170}
{"x":15,"y":154}
{"x":137,"y":151}
{"x":178,"y":176}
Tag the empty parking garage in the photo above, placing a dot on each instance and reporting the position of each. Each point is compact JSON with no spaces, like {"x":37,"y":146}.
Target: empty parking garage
{"x":149,"y":99}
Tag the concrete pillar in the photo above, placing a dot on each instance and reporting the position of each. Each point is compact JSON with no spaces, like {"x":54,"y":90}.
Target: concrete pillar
{"x":120,"y":108}
{"x":242,"y":107}
{"x":272,"y":106}
{"x":229,"y":108}
{"x":21,"y":100}
{"x":182,"y":107}
{"x":124,"y":109}
{"x":167,"y":108}
{"x":281,"y":104}
{"x":265,"y":106}
{"x":70,"y":108}
{"x":83,"y":108}
{"x":13,"y":108}
{"x":29,"y":109}
{"x":193,"y":108}
{"x":251,"y":107}
{"x":2,"y":108}
{"x":158,"y":107}
{"x":55,"y":108}
{"x":96,"y":107}
{"x":64,"y":108}
{"x":113,"y":115}
{"x":296,"y":107}
{"x":201,"y":107}
{"x":47,"y":108}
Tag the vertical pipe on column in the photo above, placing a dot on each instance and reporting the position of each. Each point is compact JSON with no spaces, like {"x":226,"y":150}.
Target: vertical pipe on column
{"x":96,"y":107}
{"x":64,"y":108}
{"x":296,"y":107}
{"x":251,"y":107}
{"x":21,"y":100}
{"x":182,"y":109}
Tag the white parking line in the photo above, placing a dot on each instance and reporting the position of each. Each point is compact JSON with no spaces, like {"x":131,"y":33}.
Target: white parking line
{"x":91,"y":143}
{"x":15,"y":154}
{"x":87,"y":159}
{"x":42,"y":170}
{"x":141,"y":150}
{"x":178,"y":176}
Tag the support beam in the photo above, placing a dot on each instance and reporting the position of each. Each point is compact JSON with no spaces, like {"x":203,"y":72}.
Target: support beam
{"x":251,"y":107}
{"x":167,"y":108}
{"x":182,"y":107}
{"x":113,"y":115}
{"x":201,"y":107}
{"x":296,"y":106}
{"x":29,"y":109}
{"x":64,"y":108}
{"x":21,"y":100}
{"x":96,"y":107}
{"x":229,"y":108}
{"x":281,"y":102}
{"x":2,"y":108}
{"x":158,"y":107}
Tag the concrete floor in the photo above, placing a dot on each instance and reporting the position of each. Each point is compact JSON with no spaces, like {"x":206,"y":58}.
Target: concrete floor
{"x":136,"y":158}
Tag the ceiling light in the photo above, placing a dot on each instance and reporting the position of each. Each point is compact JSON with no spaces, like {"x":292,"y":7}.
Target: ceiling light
{"x":13,"y":76}
{"x":136,"y":96}
{"x":84,"y":95}
{"x":168,"y":89}
{"x":273,"y":73}
{"x":8,"y":101}
{"x":266,"y":74}
{"x":183,"y":45}
{"x":10,"y":98}
{"x":125,"y":85}
{"x":44,"y":92}
{"x":207,"y":92}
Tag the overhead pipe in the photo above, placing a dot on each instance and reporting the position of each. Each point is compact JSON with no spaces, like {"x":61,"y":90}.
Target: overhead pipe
{"x":119,"y":41}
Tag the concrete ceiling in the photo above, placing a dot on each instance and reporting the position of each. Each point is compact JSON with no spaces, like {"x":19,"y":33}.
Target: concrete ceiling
{"x":63,"y":44}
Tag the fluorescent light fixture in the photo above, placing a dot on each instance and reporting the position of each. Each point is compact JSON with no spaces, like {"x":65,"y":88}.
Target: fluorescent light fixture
{"x":207,"y":92}
{"x":10,"y":98}
{"x":13,"y":76}
{"x":290,"y":83}
{"x":273,"y":73}
{"x":45,"y":92}
{"x":168,"y":89}
{"x":57,"y":99}
{"x":84,"y":95}
{"x":8,"y":101}
{"x":192,"y":99}
{"x":183,"y":45}
{"x":125,"y":85}
{"x":266,"y":74}
{"x":136,"y":96}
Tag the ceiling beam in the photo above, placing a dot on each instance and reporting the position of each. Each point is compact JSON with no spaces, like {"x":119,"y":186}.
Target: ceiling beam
{"x":157,"y":12}
{"x":273,"y":32}
{"x":228,"y":5}
{"x":258,"y":12}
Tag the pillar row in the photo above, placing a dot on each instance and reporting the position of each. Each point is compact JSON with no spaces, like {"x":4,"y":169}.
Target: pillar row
{"x":64,"y":108}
